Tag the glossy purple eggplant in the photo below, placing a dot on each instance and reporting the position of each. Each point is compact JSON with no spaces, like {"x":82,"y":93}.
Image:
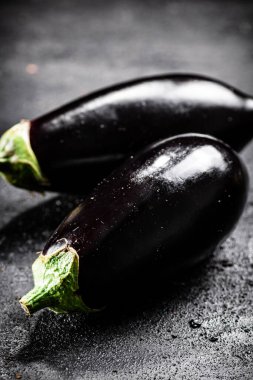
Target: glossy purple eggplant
{"x":95,"y":133}
{"x":163,"y":211}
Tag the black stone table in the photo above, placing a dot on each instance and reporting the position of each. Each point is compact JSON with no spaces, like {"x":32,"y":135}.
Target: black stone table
{"x":51,"y":52}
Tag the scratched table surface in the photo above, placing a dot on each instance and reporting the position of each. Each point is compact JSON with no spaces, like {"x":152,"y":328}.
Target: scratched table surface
{"x":201,"y":327}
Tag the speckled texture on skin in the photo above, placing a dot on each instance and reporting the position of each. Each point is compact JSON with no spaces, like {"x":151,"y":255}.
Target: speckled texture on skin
{"x":79,"y":48}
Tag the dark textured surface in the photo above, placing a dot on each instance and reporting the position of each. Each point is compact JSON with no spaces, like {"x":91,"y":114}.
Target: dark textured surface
{"x":79,"y":46}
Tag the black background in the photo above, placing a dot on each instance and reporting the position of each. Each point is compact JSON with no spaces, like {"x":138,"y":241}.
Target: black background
{"x":78,"y":46}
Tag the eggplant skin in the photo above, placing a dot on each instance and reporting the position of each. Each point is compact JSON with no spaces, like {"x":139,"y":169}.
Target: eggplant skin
{"x":164,"y":210}
{"x":95,"y":133}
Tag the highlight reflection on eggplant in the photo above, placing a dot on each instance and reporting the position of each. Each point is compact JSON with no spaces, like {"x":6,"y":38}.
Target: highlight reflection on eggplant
{"x":163,"y":210}
{"x":95,"y":133}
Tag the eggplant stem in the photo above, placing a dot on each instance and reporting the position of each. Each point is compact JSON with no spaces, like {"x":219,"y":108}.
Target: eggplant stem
{"x":18,"y":163}
{"x":55,"y":283}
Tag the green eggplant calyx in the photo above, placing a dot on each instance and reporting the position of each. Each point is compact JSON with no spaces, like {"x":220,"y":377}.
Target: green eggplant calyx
{"x":18,"y":163}
{"x":55,"y":283}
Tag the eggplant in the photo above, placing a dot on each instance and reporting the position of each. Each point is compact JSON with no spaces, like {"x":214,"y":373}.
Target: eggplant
{"x":163,"y":211}
{"x":95,"y":133}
